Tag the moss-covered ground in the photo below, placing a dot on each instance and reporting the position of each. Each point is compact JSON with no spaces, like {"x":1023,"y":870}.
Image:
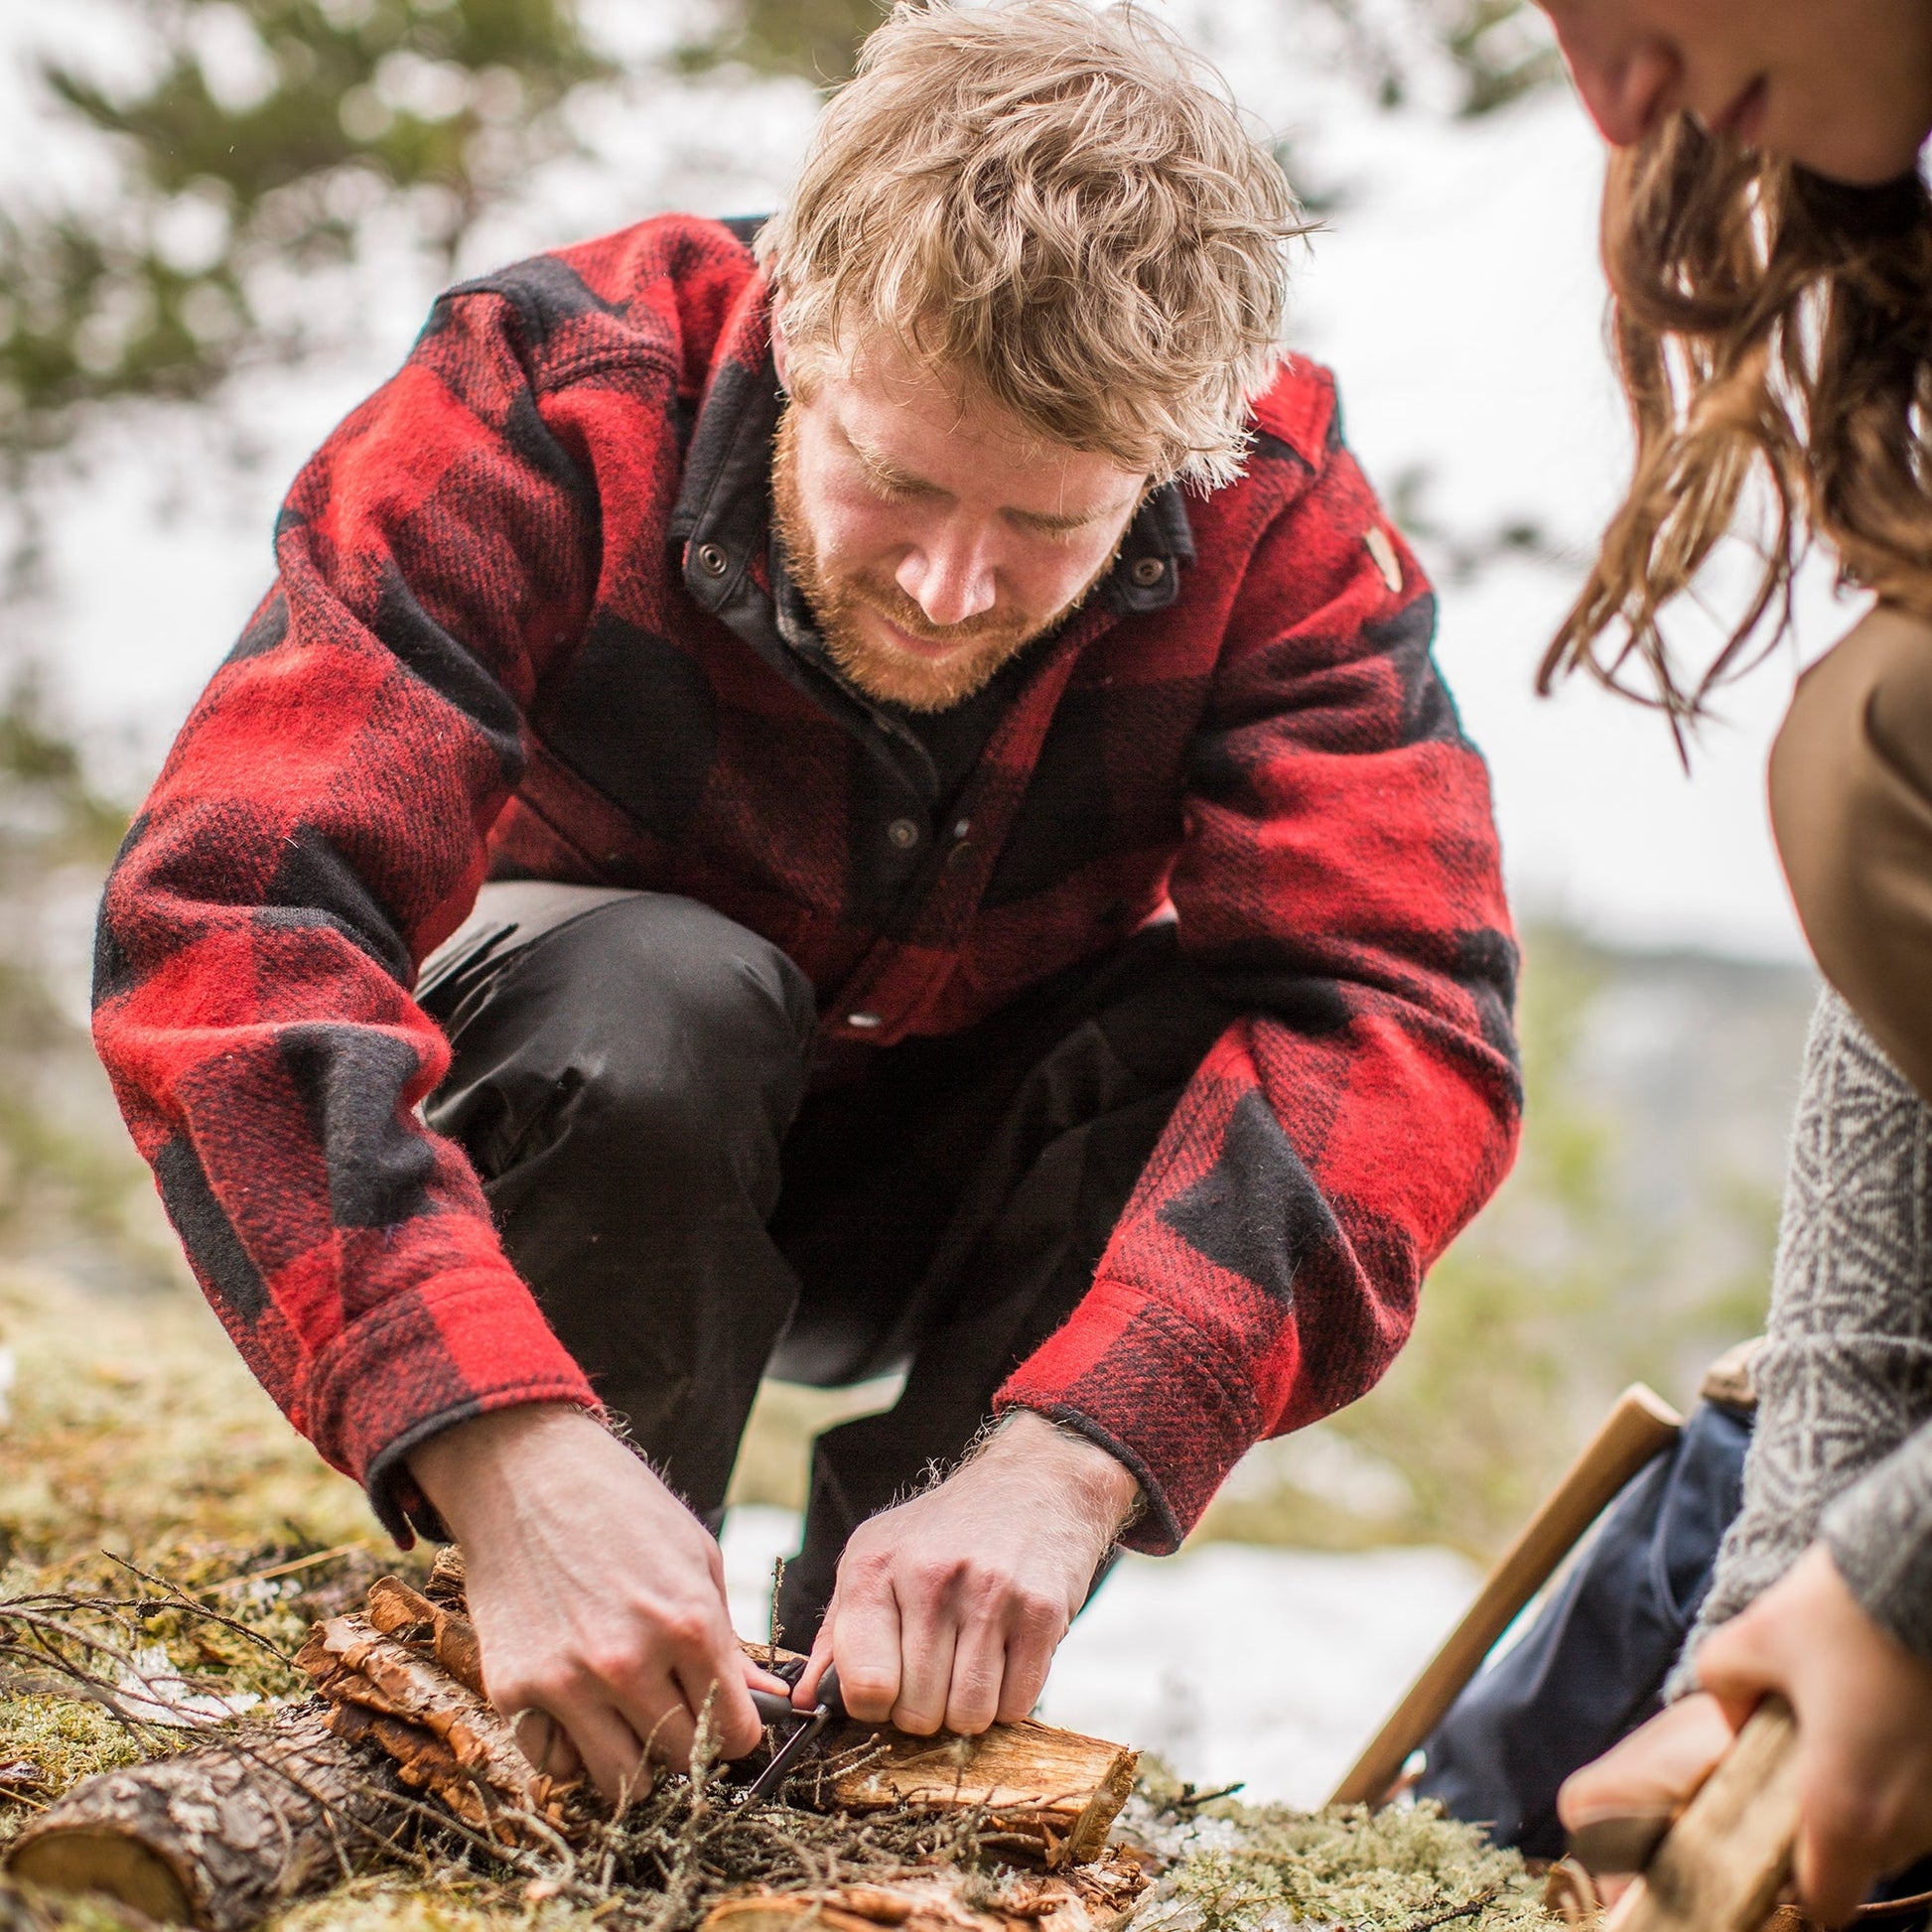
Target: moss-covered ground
{"x":159,"y":1521}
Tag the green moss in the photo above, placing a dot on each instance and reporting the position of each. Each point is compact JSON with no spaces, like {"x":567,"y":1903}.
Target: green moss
{"x":395,"y":1902}
{"x":1235,"y":1867}
{"x":68,"y":1738}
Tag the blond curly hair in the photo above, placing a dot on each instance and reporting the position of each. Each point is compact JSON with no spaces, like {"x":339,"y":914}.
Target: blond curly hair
{"x":1060,"y":205}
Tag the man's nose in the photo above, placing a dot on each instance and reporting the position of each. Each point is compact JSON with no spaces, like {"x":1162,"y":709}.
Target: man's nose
{"x":1627,"y":88}
{"x":950,"y":578}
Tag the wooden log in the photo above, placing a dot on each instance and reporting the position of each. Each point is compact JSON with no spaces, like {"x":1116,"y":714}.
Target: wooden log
{"x":220,"y":1836}
{"x":1641,"y":1425}
{"x":1049,"y":1794}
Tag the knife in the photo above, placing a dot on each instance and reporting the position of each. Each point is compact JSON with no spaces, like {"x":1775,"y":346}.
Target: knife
{"x":776,"y":1711}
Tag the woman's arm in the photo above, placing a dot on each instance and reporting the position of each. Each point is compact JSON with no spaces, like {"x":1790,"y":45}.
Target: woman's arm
{"x":1845,"y":1374}
{"x":1821,"y":1593}
{"x":1850,"y":785}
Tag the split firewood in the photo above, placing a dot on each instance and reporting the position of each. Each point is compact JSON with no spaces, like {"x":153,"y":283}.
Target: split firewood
{"x":409,"y":1677}
{"x":1048,"y":1794}
{"x":1092,"y":1899}
{"x":220,"y":1836}
{"x":396,"y":1687}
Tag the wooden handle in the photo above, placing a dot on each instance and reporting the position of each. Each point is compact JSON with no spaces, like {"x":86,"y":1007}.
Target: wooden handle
{"x":1640,"y":1427}
{"x":1724,"y":1863}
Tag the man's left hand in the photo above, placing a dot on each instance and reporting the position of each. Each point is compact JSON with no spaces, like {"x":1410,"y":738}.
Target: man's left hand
{"x":948,"y":1609}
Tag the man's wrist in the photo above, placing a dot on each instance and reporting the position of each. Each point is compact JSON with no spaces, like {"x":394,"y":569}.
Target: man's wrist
{"x":1109,"y":1491}
{"x":456,"y":1463}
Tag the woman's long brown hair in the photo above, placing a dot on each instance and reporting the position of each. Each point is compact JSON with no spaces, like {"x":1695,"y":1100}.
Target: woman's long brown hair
{"x":1766,"y":322}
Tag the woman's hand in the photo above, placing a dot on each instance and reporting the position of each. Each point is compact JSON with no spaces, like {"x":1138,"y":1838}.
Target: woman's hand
{"x":1864,"y":1706}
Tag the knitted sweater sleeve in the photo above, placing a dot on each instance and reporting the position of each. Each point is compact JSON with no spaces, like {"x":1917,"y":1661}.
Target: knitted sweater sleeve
{"x":1842,"y":1445}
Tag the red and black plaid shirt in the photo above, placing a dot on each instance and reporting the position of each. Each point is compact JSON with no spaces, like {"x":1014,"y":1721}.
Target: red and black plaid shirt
{"x":523,"y":626}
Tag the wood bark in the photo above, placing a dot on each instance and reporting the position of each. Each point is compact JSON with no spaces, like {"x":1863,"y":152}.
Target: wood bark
{"x":407,"y":1677}
{"x":1096,"y":1897}
{"x":220,"y":1836}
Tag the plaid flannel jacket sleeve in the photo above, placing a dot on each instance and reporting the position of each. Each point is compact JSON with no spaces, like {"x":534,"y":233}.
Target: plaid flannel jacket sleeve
{"x":1340,"y":878}
{"x":318,"y":827}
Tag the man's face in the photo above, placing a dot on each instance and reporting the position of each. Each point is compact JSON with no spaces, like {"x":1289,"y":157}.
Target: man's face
{"x":931,"y":534}
{"x":1843,"y":87}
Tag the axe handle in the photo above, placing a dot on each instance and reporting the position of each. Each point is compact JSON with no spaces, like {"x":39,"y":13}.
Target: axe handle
{"x":1640,"y":1427}
{"x":1722,"y":1864}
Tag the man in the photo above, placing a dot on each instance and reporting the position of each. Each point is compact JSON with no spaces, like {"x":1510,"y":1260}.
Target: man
{"x":959,"y":901}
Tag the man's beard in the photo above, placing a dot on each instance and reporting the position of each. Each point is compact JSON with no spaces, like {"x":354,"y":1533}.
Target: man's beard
{"x":982,"y":643}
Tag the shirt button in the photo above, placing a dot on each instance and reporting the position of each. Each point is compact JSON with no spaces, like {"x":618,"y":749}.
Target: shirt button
{"x":1147,"y":571}
{"x":712,"y":559}
{"x":863,"y":1021}
{"x":903,"y":833}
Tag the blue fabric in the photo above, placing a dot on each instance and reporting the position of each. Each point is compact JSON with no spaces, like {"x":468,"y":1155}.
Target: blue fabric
{"x":1590,"y":1668}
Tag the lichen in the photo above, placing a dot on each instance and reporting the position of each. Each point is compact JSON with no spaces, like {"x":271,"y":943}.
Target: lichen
{"x":1237,"y":1868}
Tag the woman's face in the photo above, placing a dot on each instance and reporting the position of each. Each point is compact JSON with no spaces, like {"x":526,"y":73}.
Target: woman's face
{"x":1843,"y":87}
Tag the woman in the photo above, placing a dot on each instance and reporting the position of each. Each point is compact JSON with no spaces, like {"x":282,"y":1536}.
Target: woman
{"x":1769,"y":244}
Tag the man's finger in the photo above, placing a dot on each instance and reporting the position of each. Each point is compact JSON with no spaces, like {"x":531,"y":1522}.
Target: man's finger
{"x":1832,"y":1879}
{"x":656,"y":1711}
{"x":546,"y":1744}
{"x":1034,"y":1634}
{"x":929,"y":1634}
{"x":757,"y":1678}
{"x":979,"y":1668}
{"x":611,"y":1751}
{"x":735,"y":1721}
{"x":864,"y":1643}
{"x":1735,"y":1666}
{"x":1654,"y":1769}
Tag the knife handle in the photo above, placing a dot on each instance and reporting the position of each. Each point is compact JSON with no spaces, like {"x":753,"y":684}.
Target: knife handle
{"x":775,"y":1709}
{"x":1722,"y":1866}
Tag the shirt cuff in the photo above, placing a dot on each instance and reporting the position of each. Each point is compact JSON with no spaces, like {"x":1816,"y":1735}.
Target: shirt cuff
{"x":1134,"y":1378}
{"x":458,"y":1346}
{"x":1879,"y":1534}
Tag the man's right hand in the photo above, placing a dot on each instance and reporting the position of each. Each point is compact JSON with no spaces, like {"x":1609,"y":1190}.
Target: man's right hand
{"x":598,"y":1597}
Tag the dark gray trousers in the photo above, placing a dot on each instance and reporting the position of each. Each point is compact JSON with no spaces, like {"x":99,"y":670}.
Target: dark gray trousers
{"x":633,"y":1077}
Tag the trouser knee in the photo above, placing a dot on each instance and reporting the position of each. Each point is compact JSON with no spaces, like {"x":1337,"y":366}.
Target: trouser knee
{"x":624,"y":1083}
{"x":655,"y":1037}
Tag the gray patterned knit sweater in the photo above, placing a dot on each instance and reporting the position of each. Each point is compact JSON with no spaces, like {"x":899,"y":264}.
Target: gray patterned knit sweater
{"x":1842,"y":1445}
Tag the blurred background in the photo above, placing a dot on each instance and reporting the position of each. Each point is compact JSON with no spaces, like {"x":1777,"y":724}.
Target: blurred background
{"x":220,"y":224}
